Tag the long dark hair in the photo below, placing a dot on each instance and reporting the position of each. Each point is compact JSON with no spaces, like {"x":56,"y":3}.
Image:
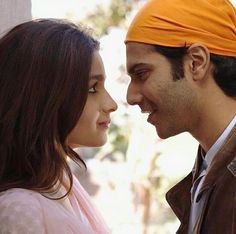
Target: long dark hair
{"x":44,"y":75}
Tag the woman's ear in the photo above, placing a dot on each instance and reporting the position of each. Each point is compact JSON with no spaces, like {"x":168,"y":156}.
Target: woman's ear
{"x":198,"y":61}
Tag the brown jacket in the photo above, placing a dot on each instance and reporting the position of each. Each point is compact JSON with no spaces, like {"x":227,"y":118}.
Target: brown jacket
{"x":219,"y":211}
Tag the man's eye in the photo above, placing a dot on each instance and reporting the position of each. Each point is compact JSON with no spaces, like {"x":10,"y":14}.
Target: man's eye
{"x":141,"y":74}
{"x":93,"y":89}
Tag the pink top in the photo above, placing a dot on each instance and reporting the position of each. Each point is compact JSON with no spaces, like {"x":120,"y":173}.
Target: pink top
{"x":25,"y":211}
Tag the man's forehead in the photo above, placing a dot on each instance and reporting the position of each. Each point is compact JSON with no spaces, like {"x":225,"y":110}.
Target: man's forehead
{"x":139,"y":55}
{"x":139,"y":47}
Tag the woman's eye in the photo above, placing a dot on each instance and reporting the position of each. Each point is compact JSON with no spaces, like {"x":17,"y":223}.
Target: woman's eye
{"x":93,"y":89}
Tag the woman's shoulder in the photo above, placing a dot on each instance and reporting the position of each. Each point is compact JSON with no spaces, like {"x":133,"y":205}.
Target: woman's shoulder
{"x":18,"y":196}
{"x":20,"y":211}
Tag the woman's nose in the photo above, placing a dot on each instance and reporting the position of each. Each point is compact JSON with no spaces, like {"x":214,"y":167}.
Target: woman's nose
{"x":110,"y":105}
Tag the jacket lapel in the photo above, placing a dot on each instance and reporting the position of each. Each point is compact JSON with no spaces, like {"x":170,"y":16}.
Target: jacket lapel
{"x":221,"y":162}
{"x":178,"y":197}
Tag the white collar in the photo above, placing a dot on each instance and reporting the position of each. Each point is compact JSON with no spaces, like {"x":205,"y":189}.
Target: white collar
{"x":219,"y":142}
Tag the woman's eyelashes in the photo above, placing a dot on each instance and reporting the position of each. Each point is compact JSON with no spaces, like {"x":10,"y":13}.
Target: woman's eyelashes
{"x":93,"y":88}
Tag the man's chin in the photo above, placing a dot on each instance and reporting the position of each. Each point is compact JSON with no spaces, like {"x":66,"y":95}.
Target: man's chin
{"x":163,"y":134}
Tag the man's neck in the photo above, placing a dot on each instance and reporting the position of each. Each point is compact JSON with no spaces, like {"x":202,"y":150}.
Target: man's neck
{"x":213,"y":125}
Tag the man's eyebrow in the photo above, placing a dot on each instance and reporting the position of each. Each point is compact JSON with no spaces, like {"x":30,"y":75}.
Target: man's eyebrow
{"x":97,"y":77}
{"x":132,"y":69}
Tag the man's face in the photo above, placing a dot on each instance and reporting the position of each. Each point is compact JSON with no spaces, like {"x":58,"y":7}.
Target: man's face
{"x":172,"y":104}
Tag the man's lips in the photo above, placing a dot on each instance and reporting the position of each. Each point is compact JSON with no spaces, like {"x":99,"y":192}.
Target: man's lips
{"x":151,"y":117}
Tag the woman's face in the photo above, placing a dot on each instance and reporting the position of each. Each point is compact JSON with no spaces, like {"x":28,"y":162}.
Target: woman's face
{"x":91,"y":128}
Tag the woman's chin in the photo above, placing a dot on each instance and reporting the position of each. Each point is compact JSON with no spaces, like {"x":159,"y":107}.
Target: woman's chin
{"x":98,"y":143}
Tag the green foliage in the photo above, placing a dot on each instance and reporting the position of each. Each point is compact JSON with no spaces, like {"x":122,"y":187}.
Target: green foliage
{"x":119,"y":138}
{"x":118,"y":11}
{"x":116,"y":147}
{"x":104,"y":17}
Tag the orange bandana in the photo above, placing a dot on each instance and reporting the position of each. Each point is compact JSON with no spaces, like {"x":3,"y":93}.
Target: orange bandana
{"x":179,"y":23}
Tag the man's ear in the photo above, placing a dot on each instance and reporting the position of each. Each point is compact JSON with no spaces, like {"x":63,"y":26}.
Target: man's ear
{"x":198,"y":61}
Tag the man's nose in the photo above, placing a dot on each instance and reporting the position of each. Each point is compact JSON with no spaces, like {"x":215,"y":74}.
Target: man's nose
{"x":134,"y":95}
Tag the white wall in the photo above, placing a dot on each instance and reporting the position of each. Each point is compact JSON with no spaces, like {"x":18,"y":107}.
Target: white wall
{"x":13,"y":12}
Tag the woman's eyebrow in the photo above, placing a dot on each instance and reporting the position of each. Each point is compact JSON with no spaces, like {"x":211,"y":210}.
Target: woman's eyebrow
{"x":97,"y":77}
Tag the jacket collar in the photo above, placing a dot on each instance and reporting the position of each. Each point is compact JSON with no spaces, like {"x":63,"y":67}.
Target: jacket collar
{"x":178,"y":196}
{"x":225,"y":159}
{"x":197,"y":164}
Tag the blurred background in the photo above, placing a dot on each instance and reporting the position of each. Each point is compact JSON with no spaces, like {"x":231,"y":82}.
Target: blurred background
{"x":129,"y":176}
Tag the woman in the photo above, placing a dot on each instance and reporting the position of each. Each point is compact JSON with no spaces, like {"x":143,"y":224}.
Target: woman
{"x":52,"y":99}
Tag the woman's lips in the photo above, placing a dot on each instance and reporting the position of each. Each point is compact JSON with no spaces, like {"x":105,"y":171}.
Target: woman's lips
{"x":104,"y":124}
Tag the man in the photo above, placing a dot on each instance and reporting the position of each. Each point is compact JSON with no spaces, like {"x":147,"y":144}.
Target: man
{"x":181,"y":57}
